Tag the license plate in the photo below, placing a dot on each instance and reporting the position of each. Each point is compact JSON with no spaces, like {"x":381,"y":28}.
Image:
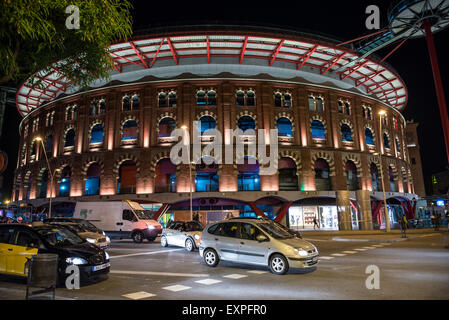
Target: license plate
{"x":101,"y":266}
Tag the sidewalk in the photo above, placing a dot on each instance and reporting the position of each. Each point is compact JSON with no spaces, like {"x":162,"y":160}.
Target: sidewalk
{"x":373,"y":235}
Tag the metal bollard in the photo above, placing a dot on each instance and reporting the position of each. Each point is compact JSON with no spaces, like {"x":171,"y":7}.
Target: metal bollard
{"x":43,"y":274}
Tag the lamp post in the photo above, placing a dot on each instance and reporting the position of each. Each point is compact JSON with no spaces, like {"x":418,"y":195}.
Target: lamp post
{"x":190,"y":172}
{"x":52,"y":174}
{"x":387,"y":217}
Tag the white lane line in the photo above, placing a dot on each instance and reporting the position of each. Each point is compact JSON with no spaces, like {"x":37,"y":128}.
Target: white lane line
{"x":325,"y":258}
{"x":144,"y":253}
{"x":235,"y":276}
{"x":257,"y":271}
{"x":350,"y":252}
{"x":176,"y":288}
{"x":368,"y":248}
{"x":338,"y":254}
{"x":138,"y":295}
{"x":360,"y":249}
{"x":377,"y":245}
{"x":154,"y":273}
{"x":208,"y":282}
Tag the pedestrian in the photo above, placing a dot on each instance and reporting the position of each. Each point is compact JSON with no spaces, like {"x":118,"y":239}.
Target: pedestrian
{"x":196,"y":217}
{"x":315,"y":223}
{"x":403,"y":225}
{"x":437,"y":221}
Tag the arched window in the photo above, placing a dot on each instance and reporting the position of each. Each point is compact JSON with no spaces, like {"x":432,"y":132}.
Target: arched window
{"x":96,"y":134}
{"x":92,"y":184}
{"x":172,"y":97}
{"x":319,"y":104}
{"x":68,"y":113}
{"x":285,"y":127}
{"x":165,"y":179}
{"x":391,"y":179}
{"x":369,"y":138}
{"x":135,"y":102}
{"x":398,"y":145}
{"x":250,"y":98}
{"x":287,"y":100}
{"x":352,"y":182}
{"x":69,"y":138}
{"x":43,"y":184}
{"x":102,"y":106}
{"x":404,"y":181}
{"x":201,"y":98}
{"x":322,"y":175}
{"x":240,"y":98}
{"x":49,"y":144}
{"x":369,"y":113}
{"x":340,"y":106}
{"x":94,"y":107}
{"x":386,"y":141}
{"x":248,"y":175}
{"x":211,"y":98}
{"x":166,"y":126}
{"x":347,"y":108}
{"x":278,"y":99}
{"x":346,"y":133}
{"x":288,"y":179}
{"x":318,"y":131}
{"x":129,"y":131}
{"x":312,"y":105}
{"x":246,"y":122}
{"x":126,"y":103}
{"x":75,"y":112}
{"x":364,"y":112}
{"x":33,"y":150}
{"x":162,"y":100}
{"x":126,"y":183}
{"x":375,"y":177}
{"x":207,"y":123}
{"x":206,"y":179}
{"x":64,"y":185}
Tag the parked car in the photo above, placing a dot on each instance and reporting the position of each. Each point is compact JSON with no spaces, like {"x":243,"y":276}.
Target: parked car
{"x":19,"y":242}
{"x":185,"y":234}
{"x":120,"y":219}
{"x":257,"y":242}
{"x":98,"y":239}
{"x":82,"y":222}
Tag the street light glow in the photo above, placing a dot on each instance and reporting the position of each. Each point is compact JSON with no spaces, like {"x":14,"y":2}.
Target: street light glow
{"x":381,"y":112}
{"x":184,"y":127}
{"x":38,"y":139}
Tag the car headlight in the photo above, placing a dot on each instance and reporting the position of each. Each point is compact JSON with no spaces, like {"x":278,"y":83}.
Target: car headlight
{"x":75,"y":260}
{"x":106,"y":255}
{"x":197,"y":237}
{"x":302,"y":252}
{"x":90,"y":240}
{"x":108,"y":239}
{"x":103,"y":233}
{"x":150,"y":226}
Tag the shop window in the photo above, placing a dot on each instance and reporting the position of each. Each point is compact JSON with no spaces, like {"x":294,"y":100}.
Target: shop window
{"x":206,"y":179}
{"x":248,"y":175}
{"x":172,"y":97}
{"x":129,"y":131}
{"x":92,"y":184}
{"x":165,"y":179}
{"x":166,"y":126}
{"x":322,"y":175}
{"x":69,"y":138}
{"x":162,"y":100}
{"x":375,"y":177}
{"x":318,"y":130}
{"x":245,"y":123}
{"x":96,"y":134}
{"x":126,"y":183}
{"x":288,"y":179}
{"x":285,"y":127}
{"x":64,"y":185}
{"x":346,"y":133}
{"x":369,"y":138}
{"x":352,"y":182}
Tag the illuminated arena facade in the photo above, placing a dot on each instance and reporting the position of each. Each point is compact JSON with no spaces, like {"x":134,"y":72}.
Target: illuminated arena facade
{"x":113,"y":141}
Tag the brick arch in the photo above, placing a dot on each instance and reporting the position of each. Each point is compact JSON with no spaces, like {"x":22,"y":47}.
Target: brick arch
{"x":67,"y":128}
{"x":39,"y":176}
{"x":156,"y":158}
{"x":294,"y":156}
{"x":349,"y":123}
{"x":122,"y":158}
{"x":162,"y":116}
{"x":246,"y":113}
{"x":285,"y":115}
{"x":375,"y":160}
{"x":90,"y":160}
{"x":356,"y":160}
{"x":206,"y":113}
{"x":320,"y":118}
{"x":127,"y":118}
{"x":326,"y":156}
{"x":61,"y":165}
{"x":369,"y":126}
{"x":94,"y":123}
{"x":394,"y":169}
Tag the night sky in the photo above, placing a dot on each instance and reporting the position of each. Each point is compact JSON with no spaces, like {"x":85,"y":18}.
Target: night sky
{"x":342,"y":20}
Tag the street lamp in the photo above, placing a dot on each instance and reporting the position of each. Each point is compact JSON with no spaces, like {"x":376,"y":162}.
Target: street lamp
{"x":387,"y":217}
{"x":52,"y":174}
{"x":184,"y":127}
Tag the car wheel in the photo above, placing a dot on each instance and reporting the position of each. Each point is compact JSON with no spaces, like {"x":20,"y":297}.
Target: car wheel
{"x":210,"y":257}
{"x":164,"y":242}
{"x":189,"y":245}
{"x":278,"y":264}
{"x":137,"y":237}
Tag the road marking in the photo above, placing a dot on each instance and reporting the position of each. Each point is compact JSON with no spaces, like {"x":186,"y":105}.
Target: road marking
{"x":208,"y":281}
{"x":338,"y":254}
{"x":154,"y":273}
{"x":350,"y":252}
{"x":325,"y":258}
{"x":377,"y":245}
{"x":235,"y":276}
{"x":361,"y":249}
{"x":176,"y":288}
{"x":257,"y":271}
{"x":138,"y":295}
{"x":144,"y":253}
{"x":368,"y":248}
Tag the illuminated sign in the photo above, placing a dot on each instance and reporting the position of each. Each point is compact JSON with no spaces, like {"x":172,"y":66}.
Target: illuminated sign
{"x":440,"y":203}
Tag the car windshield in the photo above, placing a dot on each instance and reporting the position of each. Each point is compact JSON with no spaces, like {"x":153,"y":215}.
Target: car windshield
{"x":59,"y":237}
{"x":74,"y":227}
{"x":194,"y":226}
{"x":144,"y":215}
{"x":88,"y":226}
{"x":275,"y":231}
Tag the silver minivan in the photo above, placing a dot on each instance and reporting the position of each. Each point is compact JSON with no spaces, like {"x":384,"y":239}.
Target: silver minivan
{"x":258,"y":242}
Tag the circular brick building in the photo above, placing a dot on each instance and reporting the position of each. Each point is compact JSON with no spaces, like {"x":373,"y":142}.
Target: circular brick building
{"x":113,"y":141}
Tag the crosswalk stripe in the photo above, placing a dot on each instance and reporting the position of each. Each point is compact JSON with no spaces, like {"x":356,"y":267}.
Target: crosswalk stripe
{"x":350,"y":252}
{"x":138,"y":295}
{"x":176,"y":288}
{"x":338,"y":254}
{"x":368,"y":248}
{"x":360,"y":249}
{"x":143,"y":253}
{"x":257,"y":271}
{"x":325,"y":258}
{"x":154,"y":273}
{"x":208,"y":282}
{"x":235,"y":276}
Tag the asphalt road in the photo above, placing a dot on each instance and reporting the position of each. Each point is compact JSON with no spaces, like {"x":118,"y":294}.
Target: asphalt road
{"x":413,"y":269}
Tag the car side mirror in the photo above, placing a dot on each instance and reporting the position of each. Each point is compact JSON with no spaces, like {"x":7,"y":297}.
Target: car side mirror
{"x":261,"y":238}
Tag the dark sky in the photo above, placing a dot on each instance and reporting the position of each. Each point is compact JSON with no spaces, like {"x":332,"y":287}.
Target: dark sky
{"x":339,"y":19}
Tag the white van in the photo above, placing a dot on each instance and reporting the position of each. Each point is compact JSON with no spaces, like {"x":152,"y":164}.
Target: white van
{"x":120,"y":219}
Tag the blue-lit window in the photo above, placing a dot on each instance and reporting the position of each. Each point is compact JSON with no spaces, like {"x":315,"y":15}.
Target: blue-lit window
{"x":70,"y":138}
{"x":386,"y":141}
{"x":240,"y":98}
{"x":249,"y":181}
{"x":211,"y":98}
{"x":205,"y":182}
{"x":201,"y":99}
{"x":96,"y":135}
{"x":166,"y":126}
{"x":312,"y":106}
{"x":130,"y":130}
{"x":246,"y":122}
{"x":346,"y":133}
{"x":92,"y":186}
{"x":207,"y":123}
{"x":318,"y":131}
{"x":285,"y":127}
{"x":369,"y":137}
{"x":64,"y":187}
